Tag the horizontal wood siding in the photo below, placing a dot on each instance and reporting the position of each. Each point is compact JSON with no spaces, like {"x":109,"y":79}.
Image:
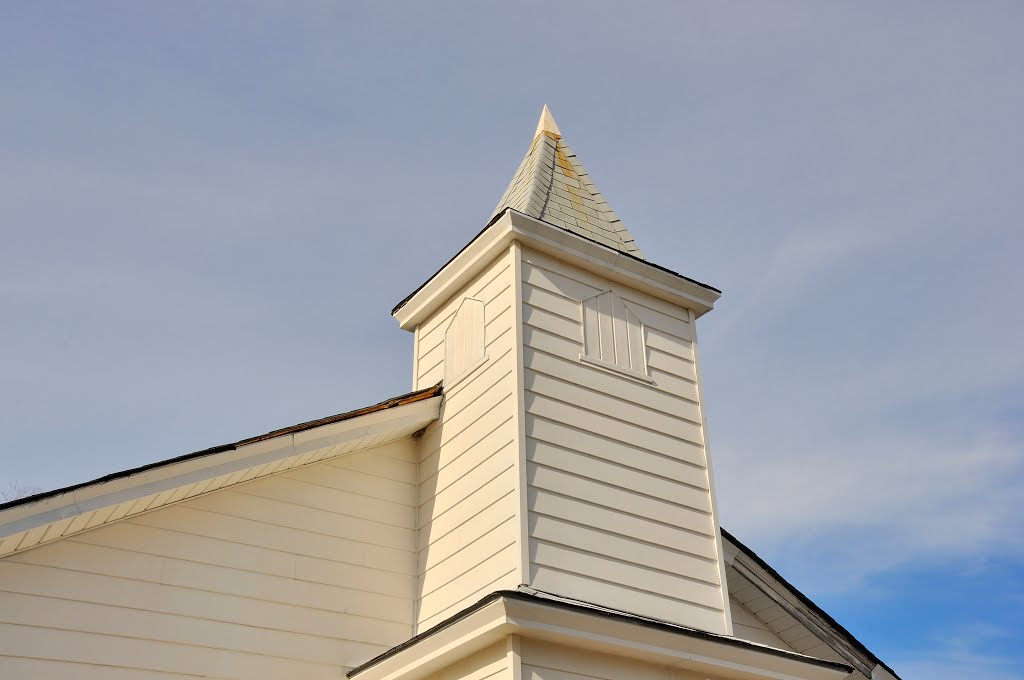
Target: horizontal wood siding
{"x":494,"y":287}
{"x":619,"y":503}
{"x":467,"y":506}
{"x":547,"y":661}
{"x":306,"y":573}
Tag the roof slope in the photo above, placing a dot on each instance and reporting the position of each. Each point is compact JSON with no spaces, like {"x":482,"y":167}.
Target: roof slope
{"x":552,"y":185}
{"x":830,"y":631}
{"x":31,"y":521}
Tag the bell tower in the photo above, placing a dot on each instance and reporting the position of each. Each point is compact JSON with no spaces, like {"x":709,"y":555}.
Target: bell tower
{"x":571,"y":454}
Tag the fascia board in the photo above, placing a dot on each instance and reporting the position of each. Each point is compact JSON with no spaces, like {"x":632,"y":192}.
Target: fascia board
{"x":559,"y":243}
{"x":809,"y":619}
{"x":508,"y":615}
{"x":617,"y":266}
{"x":463,"y":267}
{"x":400,"y":421}
{"x":622,"y":638}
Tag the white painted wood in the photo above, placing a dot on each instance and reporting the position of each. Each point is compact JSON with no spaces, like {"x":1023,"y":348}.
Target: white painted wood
{"x":543,"y":237}
{"x":303,"y":574}
{"x":464,"y":345}
{"x":490,"y":662}
{"x":92,"y":505}
{"x":613,"y":335}
{"x":619,"y":500}
{"x":546,"y":661}
{"x":522,"y":485}
{"x":466,"y":500}
{"x":746,"y":626}
{"x":711,"y":482}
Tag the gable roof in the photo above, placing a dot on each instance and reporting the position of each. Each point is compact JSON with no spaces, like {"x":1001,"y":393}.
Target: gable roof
{"x":552,"y":185}
{"x":41,"y":518}
{"x":749,"y":568}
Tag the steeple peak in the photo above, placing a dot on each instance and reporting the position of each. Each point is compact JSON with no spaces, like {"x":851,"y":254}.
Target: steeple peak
{"x":547,"y":123}
{"x":552,"y":185}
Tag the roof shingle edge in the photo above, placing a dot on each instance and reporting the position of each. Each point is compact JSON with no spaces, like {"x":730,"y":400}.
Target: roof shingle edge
{"x":401,"y":400}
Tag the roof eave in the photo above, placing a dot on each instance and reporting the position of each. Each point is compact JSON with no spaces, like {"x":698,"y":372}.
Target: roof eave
{"x":553,"y":619}
{"x":819,"y":617}
{"x":512,"y":225}
{"x":40,"y":519}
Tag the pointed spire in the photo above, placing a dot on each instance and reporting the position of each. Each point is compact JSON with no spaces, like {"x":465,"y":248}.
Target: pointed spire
{"x":552,"y":185}
{"x":547,"y":123}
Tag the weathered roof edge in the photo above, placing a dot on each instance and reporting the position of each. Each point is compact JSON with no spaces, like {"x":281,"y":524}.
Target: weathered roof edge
{"x":539,"y":597}
{"x":401,"y":400}
{"x":806,"y":601}
{"x":499,"y":216}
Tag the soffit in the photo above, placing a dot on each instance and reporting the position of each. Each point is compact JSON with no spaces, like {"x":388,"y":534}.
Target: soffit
{"x":778,"y":605}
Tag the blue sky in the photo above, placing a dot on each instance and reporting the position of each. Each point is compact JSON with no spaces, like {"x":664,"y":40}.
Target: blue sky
{"x":208,"y":210}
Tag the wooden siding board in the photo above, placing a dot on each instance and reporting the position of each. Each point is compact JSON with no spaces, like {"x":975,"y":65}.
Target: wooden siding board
{"x":152,"y":655}
{"x":612,"y":428}
{"x":501,"y":581}
{"x":441,"y":573}
{"x":454,"y":472}
{"x":101,"y":619}
{"x":624,"y":598}
{"x":615,"y":498}
{"x":620,"y":502}
{"x":242,"y":504}
{"x":619,"y":453}
{"x":613,"y":474}
{"x":682,"y":422}
{"x":232,"y":583}
{"x":484,"y":439}
{"x":627,"y":555}
{"x":494,"y":493}
{"x":614,"y":521}
{"x":475,"y":578}
{"x":489,"y":519}
{"x":469,"y":484}
{"x":26,"y":668}
{"x":467,"y":457}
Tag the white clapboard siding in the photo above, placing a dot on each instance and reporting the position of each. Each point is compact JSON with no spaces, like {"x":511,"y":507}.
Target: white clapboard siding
{"x":306,"y":573}
{"x":494,"y":288}
{"x":619,"y":501}
{"x":467,"y":525}
{"x":547,"y":661}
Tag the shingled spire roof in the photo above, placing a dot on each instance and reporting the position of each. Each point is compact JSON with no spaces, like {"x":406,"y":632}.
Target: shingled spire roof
{"x":552,"y":185}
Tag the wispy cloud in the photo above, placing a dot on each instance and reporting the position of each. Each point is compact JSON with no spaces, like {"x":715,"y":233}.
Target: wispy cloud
{"x":963,"y":651}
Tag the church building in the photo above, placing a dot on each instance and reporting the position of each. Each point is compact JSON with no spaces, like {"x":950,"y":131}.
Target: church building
{"x":541,"y":505}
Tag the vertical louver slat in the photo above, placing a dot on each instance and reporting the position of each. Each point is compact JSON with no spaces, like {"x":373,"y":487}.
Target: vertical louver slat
{"x":612,"y":334}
